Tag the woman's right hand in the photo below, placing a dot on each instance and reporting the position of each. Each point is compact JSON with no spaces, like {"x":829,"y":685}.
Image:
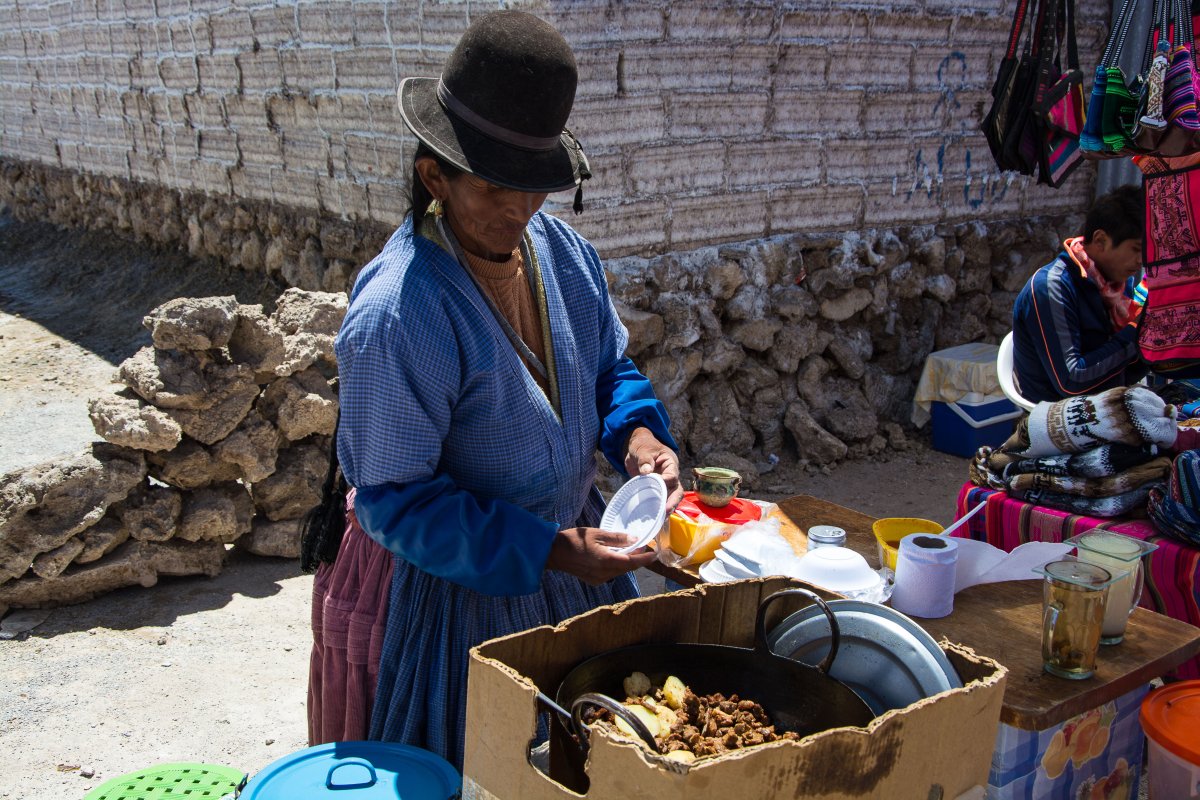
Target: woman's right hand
{"x":587,"y":554}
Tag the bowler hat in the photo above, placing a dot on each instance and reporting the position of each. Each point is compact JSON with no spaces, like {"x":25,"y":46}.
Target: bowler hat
{"x":500,"y":107}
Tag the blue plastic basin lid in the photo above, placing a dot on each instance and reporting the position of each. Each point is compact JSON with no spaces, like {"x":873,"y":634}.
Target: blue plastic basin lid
{"x":356,"y":771}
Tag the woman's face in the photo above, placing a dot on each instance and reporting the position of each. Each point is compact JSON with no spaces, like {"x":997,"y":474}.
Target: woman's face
{"x":488,"y":220}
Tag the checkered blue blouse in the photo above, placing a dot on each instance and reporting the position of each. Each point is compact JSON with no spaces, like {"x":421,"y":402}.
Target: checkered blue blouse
{"x":463,"y":468}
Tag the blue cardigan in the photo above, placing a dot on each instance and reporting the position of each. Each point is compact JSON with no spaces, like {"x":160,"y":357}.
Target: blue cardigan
{"x":462,"y":465}
{"x":1063,"y":338}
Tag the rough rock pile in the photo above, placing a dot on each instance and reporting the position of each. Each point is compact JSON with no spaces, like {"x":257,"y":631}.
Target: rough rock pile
{"x":218,"y":433}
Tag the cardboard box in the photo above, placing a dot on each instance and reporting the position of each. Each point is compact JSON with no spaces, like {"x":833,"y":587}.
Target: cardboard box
{"x":939,"y":747}
{"x":962,"y":427}
{"x":1097,"y":754}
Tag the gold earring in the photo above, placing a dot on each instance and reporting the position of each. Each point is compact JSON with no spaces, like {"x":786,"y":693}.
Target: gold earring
{"x":435,"y":208}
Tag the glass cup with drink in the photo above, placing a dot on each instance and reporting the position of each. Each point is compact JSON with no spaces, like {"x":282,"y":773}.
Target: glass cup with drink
{"x":1074,"y":594}
{"x":1122,"y":556}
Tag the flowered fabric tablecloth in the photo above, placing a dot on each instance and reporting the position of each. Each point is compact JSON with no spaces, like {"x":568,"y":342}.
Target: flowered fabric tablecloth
{"x":1173,"y":577}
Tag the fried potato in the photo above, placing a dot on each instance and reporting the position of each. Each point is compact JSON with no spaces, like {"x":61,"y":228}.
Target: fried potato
{"x":666,"y":718}
{"x":673,"y":692}
{"x":648,"y":718}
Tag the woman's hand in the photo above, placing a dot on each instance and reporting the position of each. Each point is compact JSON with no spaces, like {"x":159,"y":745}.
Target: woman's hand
{"x":646,"y":454}
{"x":587,"y":554}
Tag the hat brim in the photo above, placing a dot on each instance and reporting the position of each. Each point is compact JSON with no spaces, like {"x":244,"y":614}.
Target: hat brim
{"x":553,"y":170}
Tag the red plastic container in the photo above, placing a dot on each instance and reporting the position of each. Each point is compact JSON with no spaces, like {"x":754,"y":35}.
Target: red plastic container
{"x":738,"y":511}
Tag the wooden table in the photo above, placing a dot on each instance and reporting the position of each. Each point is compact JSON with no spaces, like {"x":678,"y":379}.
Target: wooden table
{"x":1003,"y":621}
{"x":1172,"y":571}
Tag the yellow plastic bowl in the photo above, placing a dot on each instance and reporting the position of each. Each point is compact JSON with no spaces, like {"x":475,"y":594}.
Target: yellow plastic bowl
{"x":890,"y":530}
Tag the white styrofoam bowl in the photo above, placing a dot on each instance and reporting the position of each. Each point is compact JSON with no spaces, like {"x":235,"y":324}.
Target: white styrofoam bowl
{"x":639,"y":508}
{"x":838,"y":569}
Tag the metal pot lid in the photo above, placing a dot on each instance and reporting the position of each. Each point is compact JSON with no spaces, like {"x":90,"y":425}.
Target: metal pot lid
{"x":886,"y":658}
{"x":356,"y":771}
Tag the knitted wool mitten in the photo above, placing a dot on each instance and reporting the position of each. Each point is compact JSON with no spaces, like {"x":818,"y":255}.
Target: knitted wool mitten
{"x":1133,"y":416}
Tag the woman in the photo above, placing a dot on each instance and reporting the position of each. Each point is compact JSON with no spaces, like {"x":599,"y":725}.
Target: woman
{"x":480,"y":366}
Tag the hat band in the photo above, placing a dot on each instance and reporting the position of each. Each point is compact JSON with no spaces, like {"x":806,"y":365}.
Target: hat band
{"x":491,"y":129}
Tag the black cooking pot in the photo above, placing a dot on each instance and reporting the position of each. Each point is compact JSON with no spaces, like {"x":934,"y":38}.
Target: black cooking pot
{"x":797,"y":697}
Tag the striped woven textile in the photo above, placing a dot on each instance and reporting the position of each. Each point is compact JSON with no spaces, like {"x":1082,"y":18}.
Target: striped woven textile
{"x":1167,"y":333}
{"x":1173,"y":576}
{"x":1179,"y":89}
{"x":1063,"y":146}
{"x":1120,"y":107}
{"x":349,"y":620}
{"x":1175,"y":508}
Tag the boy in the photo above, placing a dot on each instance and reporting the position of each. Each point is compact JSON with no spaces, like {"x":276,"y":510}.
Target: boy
{"x":1075,"y":322}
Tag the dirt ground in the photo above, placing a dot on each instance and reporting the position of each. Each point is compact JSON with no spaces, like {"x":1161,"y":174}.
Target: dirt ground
{"x":197,"y":669}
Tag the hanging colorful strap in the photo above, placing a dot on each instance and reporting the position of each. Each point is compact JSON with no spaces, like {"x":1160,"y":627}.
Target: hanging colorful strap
{"x":1045,"y":32}
{"x":1116,"y":39}
{"x":1179,"y":90}
{"x":1093,"y":141}
{"x":1072,"y":46}
{"x":1014,"y":36}
{"x":1153,"y":119}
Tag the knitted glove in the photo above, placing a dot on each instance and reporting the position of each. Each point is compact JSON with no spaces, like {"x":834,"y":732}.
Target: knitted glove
{"x":1133,"y":416}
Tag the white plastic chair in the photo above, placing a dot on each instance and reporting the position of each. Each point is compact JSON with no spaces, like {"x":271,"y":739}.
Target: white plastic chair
{"x":1004,"y":371}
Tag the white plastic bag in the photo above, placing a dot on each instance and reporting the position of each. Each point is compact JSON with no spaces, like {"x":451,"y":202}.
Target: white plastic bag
{"x":709,"y":530}
{"x":760,"y":546}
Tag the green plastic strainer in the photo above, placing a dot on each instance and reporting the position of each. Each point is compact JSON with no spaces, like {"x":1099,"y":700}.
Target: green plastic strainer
{"x":191,"y":781}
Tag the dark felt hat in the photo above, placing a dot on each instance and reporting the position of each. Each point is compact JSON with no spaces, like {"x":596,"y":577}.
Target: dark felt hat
{"x":500,"y":108}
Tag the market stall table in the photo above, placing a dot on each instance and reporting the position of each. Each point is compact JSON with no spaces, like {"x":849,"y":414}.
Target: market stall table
{"x":1172,"y":571}
{"x":1003,"y":620}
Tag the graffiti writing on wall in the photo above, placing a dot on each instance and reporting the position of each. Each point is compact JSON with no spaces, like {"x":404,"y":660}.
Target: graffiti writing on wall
{"x":981,"y":182}
{"x":956,"y":64}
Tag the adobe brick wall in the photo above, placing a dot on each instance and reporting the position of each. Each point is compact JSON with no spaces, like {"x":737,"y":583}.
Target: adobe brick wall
{"x":706,"y":122}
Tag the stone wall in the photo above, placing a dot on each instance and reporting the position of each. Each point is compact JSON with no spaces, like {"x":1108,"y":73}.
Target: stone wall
{"x":801,"y":350}
{"x":706,"y":122}
{"x":807,"y":349}
{"x":217,"y":434}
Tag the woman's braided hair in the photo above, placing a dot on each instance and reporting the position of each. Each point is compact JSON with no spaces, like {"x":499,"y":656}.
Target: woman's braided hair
{"x":322,"y":529}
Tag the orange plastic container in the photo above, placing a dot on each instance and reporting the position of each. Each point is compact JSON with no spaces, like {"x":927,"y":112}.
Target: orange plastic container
{"x":684,"y":525}
{"x":1170,"y":716}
